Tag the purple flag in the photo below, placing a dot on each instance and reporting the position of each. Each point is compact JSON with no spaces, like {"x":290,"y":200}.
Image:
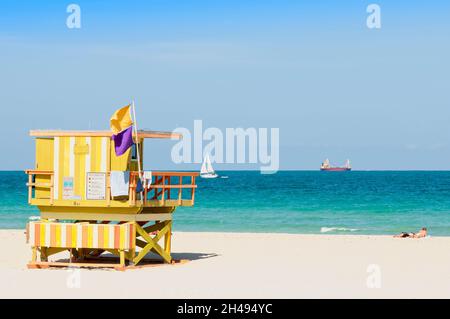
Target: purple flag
{"x":123,"y":141}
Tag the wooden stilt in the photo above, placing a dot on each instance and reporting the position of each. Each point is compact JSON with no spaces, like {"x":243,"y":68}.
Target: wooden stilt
{"x":151,"y":244}
{"x":43,"y":254}
{"x":122,"y":258}
{"x":33,"y":254}
{"x":168,"y":239}
{"x":131,"y":255}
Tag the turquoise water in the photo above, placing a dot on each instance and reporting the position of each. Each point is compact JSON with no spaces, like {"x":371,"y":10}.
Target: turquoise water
{"x":316,"y":202}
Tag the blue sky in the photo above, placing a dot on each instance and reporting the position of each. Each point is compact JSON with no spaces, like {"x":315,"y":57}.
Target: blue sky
{"x":314,"y":70}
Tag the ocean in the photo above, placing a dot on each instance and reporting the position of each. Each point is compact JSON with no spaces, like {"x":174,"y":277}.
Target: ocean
{"x":300,"y":202}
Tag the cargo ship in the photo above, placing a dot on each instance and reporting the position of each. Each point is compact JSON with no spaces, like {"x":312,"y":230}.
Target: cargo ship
{"x":327,"y":167}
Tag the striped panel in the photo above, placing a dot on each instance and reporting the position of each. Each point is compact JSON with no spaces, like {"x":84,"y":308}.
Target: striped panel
{"x":132,"y":236}
{"x":111,"y":237}
{"x":90,"y":231}
{"x":106,"y":236}
{"x":88,"y":167}
{"x":104,"y":152}
{"x":98,"y":154}
{"x":72,"y":163}
{"x":82,"y":235}
{"x":122,"y":237}
{"x":95,"y":241}
{"x":95,"y":158}
{"x":37,"y":237}
{"x":52,"y":235}
{"x":64,"y":161}
{"x":74,"y":236}
{"x":79,"y":162}
{"x":56,"y":157}
{"x":62,"y":236}
{"x":47,"y":233}
{"x":68,"y":230}
{"x":100,"y":236}
{"x":116,"y":236}
{"x":31,"y":233}
{"x":79,"y":236}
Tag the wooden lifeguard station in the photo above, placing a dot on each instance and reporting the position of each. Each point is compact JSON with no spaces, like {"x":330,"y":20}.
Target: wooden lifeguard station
{"x":72,"y":188}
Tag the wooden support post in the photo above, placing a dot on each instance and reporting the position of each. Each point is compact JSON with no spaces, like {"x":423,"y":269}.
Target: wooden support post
{"x":43,"y":255}
{"x":193,"y":188}
{"x":71,"y":256}
{"x":30,"y":188}
{"x":168,"y":239}
{"x":122,"y":258}
{"x":151,"y":244}
{"x":131,"y":255}
{"x":168,"y":191}
{"x":27,"y":232}
{"x":163,"y":190}
{"x":108,"y":172}
{"x":33,"y":254}
{"x":146,"y":192}
{"x":108,"y":189}
{"x":51,"y":188}
{"x":180,"y":190}
{"x":133,"y":192}
{"x":130,"y":190}
{"x":81,"y":253}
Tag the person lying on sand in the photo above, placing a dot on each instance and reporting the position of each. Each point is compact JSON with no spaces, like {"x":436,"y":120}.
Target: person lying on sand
{"x":421,"y":234}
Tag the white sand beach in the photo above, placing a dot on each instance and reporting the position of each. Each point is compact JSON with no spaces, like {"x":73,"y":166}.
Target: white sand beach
{"x":233,"y":265}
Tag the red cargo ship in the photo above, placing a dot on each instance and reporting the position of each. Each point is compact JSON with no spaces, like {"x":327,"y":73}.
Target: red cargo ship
{"x":327,"y":167}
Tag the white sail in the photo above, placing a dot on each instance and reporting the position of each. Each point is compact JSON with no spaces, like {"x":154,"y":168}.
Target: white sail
{"x":204,"y":169}
{"x":347,"y":164}
{"x":209,"y":165}
{"x":207,"y":170}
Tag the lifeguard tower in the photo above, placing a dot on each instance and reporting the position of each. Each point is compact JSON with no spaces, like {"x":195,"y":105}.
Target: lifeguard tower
{"x":92,"y":201}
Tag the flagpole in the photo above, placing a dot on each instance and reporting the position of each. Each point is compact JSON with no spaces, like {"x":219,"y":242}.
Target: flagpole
{"x":137,"y":142}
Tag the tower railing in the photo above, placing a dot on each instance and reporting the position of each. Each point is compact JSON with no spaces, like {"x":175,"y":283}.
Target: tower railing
{"x":163,"y":189}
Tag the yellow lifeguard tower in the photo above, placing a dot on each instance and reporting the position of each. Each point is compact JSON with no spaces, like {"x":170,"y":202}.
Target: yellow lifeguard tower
{"x":92,"y":201}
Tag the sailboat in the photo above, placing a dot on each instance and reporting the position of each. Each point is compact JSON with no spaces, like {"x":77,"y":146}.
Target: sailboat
{"x":207,"y":171}
{"x":347,"y":165}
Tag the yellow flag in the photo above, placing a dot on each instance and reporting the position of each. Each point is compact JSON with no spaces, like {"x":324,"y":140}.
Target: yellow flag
{"x":121,"y":120}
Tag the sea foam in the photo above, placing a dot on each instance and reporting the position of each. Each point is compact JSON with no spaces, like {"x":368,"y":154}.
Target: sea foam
{"x":330,"y":229}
